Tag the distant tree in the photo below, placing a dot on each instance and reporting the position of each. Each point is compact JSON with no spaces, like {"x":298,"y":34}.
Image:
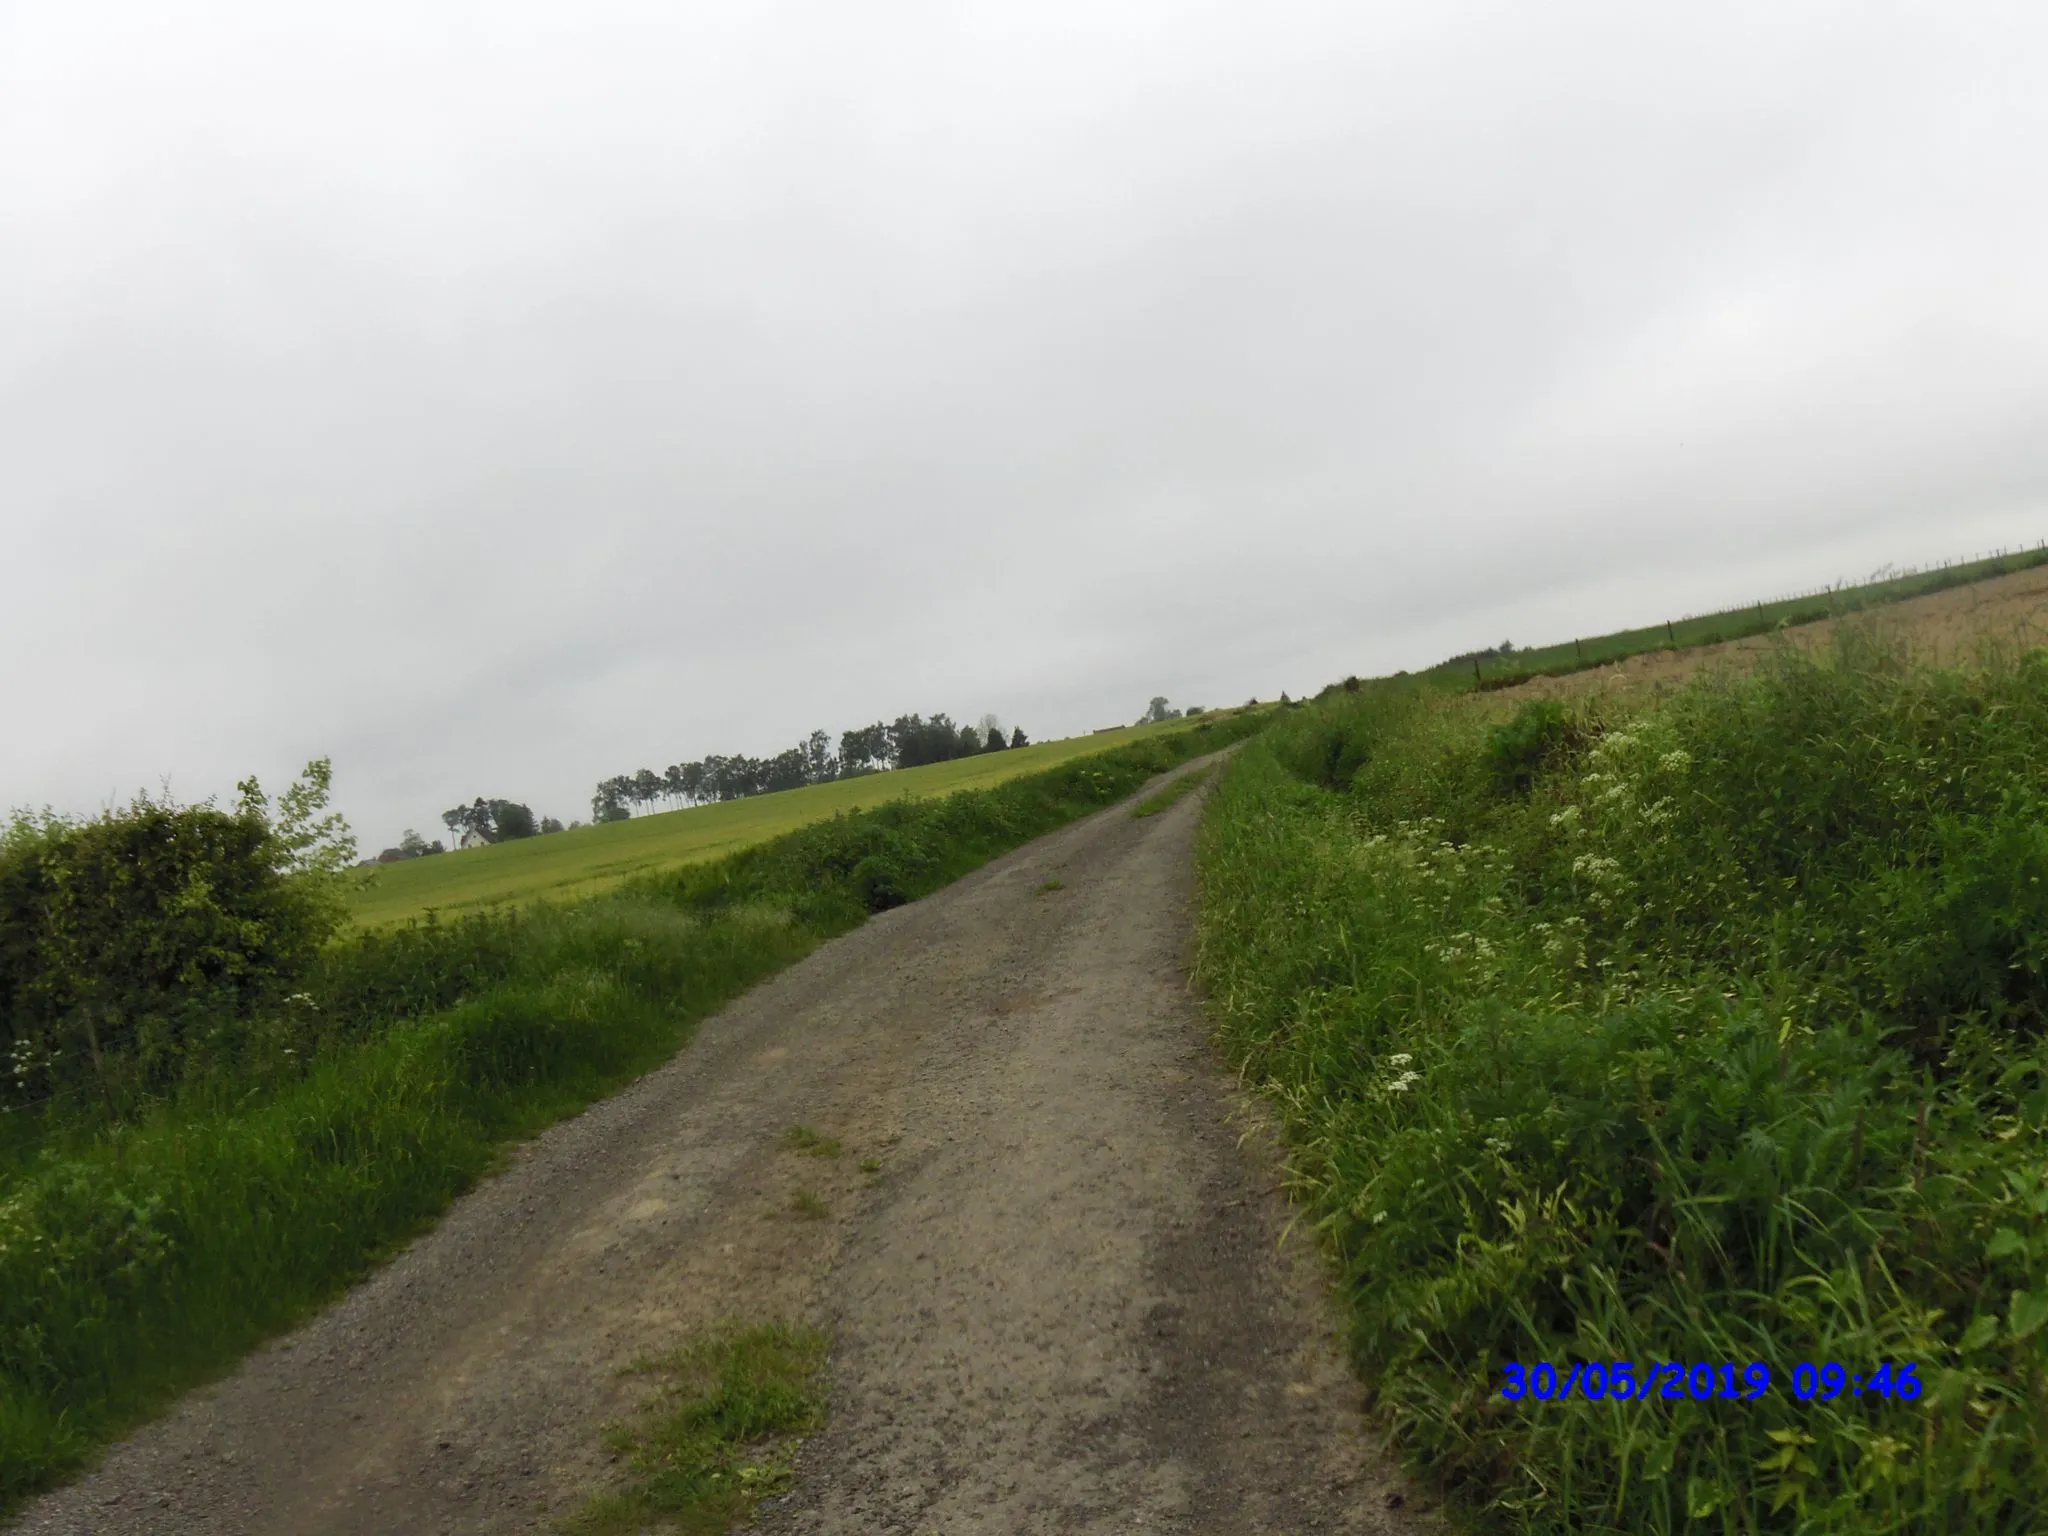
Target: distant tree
{"x":1157,"y":711}
{"x":549,"y":824}
{"x":1018,"y":738}
{"x":865,"y":749}
{"x":672,"y":784}
{"x":1284,"y":700}
{"x":510,"y":820}
{"x":1193,"y":710}
{"x":647,"y":787}
{"x":820,"y":766}
{"x":609,"y":803}
{"x":691,"y":780}
{"x":970,"y":742}
{"x":995,"y":742}
{"x":785,"y":770}
{"x":915,"y":741}
{"x":412,"y":845}
{"x":468,"y":821}
{"x":906,"y":741}
{"x":493,"y":821}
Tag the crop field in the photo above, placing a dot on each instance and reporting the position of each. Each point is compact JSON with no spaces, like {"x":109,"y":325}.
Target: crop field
{"x":586,"y":860}
{"x":1952,"y":624}
{"x":1712,"y":631}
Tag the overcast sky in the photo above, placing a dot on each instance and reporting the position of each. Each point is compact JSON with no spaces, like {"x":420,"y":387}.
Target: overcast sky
{"x":499,"y":396}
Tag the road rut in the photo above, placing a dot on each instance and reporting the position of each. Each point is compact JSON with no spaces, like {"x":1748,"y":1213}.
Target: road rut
{"x":1063,"y":1303}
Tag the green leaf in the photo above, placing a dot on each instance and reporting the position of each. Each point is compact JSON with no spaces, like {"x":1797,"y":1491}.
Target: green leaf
{"x":2029,"y":1312}
{"x":2004,"y":1244}
{"x":1702,"y":1498}
{"x":1982,"y":1330}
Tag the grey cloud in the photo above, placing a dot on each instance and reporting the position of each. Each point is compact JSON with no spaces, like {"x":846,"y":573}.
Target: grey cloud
{"x":497,"y":397}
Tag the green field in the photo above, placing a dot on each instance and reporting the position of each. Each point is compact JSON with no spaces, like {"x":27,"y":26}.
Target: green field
{"x":585,"y":860}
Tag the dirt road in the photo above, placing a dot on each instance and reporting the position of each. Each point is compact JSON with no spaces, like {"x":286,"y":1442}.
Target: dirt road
{"x":1061,"y":1304}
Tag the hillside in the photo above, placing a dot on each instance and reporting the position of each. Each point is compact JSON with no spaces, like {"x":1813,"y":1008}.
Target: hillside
{"x":586,"y":860}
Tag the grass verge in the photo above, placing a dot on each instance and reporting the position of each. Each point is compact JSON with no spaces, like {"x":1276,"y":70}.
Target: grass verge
{"x":714,"y":1439}
{"x":141,"y":1256}
{"x":1705,"y":1031}
{"x":1152,"y":805}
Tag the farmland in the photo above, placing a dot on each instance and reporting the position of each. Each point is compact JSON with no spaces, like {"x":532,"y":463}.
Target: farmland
{"x":1944,"y":589}
{"x":586,"y":860}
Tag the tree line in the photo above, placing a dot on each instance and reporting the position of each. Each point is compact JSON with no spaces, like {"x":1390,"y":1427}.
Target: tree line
{"x":910,"y":742}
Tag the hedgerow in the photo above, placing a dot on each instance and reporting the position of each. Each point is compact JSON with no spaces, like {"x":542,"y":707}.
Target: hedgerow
{"x":1707,"y":1030}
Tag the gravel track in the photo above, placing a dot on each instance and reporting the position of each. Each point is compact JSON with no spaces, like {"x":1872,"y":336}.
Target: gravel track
{"x":1063,"y":1304}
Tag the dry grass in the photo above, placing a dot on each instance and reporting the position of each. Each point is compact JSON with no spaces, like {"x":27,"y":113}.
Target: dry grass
{"x":1942,"y":628}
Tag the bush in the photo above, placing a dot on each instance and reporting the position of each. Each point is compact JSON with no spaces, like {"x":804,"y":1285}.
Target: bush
{"x":157,"y":932}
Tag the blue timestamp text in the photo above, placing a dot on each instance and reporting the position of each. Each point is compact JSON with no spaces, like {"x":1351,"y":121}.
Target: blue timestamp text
{"x":1622,"y":1381}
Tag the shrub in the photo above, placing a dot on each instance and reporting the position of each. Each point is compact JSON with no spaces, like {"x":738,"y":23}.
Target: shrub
{"x":130,"y":942}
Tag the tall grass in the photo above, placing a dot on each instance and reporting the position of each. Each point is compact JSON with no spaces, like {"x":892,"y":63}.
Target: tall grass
{"x":1708,"y":1033}
{"x":140,"y":1255}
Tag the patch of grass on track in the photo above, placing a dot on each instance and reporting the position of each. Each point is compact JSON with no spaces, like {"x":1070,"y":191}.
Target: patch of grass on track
{"x":1152,"y":805}
{"x":806,"y":1142}
{"x":715,"y":1439}
{"x":588,"y":860}
{"x":1705,"y":1030}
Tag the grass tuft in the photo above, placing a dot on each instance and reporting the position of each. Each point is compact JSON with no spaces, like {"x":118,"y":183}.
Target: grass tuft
{"x":809,"y":1205}
{"x":805,"y":1142}
{"x":716,"y":1436}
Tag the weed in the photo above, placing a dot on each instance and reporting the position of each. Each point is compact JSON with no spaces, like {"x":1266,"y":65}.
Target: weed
{"x":809,"y":1205}
{"x":871,"y":1165}
{"x":715,"y":1438}
{"x":1052,"y":885}
{"x":806,"y":1142}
